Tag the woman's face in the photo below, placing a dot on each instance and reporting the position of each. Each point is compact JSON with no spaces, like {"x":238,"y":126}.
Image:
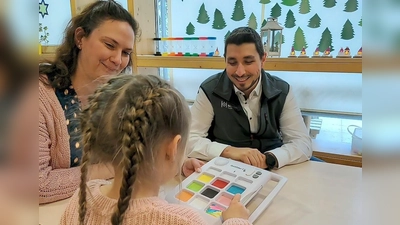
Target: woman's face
{"x":107,"y":50}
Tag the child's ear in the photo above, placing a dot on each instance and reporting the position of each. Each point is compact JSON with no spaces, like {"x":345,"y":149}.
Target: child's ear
{"x":172,"y":148}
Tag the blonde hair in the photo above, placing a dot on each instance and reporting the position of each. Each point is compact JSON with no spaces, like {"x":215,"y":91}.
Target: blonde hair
{"x":126,"y":120}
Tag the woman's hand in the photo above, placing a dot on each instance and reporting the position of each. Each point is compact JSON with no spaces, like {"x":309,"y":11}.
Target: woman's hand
{"x":191,"y":165}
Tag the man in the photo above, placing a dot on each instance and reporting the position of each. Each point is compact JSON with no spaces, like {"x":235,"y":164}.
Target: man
{"x":245,"y":113}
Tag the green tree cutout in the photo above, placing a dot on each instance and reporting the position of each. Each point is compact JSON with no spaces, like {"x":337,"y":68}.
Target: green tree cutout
{"x":289,"y":2}
{"x":276,"y":11}
{"x":278,"y":36}
{"x":326,"y":41}
{"x":252,"y":21}
{"x":351,"y":6}
{"x":329,"y":3}
{"x":238,"y":12}
{"x":263,"y":23}
{"x":290,"y":21}
{"x":219,"y":21}
{"x":314,"y":21}
{"x":227,"y":35}
{"x":347,"y":31}
{"x":190,"y":29}
{"x":265,"y":1}
{"x":305,"y":7}
{"x":203,"y":15}
{"x":299,"y":40}
{"x":360,"y":23}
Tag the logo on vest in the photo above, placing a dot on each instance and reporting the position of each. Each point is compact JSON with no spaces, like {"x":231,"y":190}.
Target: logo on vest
{"x":225,"y":105}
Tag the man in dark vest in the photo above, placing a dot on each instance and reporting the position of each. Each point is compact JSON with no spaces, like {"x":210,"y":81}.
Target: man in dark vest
{"x":246,"y":114}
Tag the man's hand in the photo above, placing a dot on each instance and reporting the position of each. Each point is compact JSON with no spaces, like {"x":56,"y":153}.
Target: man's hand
{"x":249,"y":156}
{"x":191,"y":165}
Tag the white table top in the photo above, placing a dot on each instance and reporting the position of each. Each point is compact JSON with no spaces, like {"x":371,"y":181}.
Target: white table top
{"x":315,"y":193}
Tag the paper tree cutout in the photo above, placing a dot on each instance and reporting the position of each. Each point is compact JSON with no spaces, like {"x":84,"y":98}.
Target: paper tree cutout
{"x":299,"y":40}
{"x":252,"y":21}
{"x":329,"y":3}
{"x":203,"y":17}
{"x":219,"y":21}
{"x":326,"y":40}
{"x":190,"y":29}
{"x":290,"y":21}
{"x":314,"y":21}
{"x":238,"y":11}
{"x":289,"y":2}
{"x":304,"y":7}
{"x":276,"y":11}
{"x":347,"y":31}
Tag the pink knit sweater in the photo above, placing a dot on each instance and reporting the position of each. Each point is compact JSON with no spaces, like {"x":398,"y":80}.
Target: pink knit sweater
{"x":56,"y":179}
{"x":148,"y":211}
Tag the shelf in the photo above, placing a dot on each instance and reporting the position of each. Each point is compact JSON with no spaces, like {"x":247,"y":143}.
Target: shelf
{"x":338,"y":65}
{"x":338,"y":153}
{"x":334,"y":65}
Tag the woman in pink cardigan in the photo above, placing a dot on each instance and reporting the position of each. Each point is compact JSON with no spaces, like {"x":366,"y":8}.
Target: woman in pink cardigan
{"x":97,"y":45}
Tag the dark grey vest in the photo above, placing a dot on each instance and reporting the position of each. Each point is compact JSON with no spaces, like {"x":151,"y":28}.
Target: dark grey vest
{"x":230,"y":124}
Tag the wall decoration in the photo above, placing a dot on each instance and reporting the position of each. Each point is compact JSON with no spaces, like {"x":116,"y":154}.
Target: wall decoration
{"x":307,"y":23}
{"x":238,"y":11}
{"x":351,"y":6}
{"x":299,"y":41}
{"x":290,"y":21}
{"x":278,"y":36}
{"x":44,"y":34}
{"x":276,"y":11}
{"x":190,"y":29}
{"x":219,"y":21}
{"x":289,"y":2}
{"x":329,"y":3}
{"x":314,"y":21}
{"x":347,"y":31}
{"x":43,"y":6}
{"x":227,"y":35}
{"x":326,"y":41}
{"x":252,"y":21}
{"x":305,"y":7}
{"x":263,"y":23}
{"x":203,"y":17}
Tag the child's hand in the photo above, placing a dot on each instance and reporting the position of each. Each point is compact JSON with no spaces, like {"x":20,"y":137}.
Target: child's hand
{"x":236,"y":210}
{"x":190,"y":165}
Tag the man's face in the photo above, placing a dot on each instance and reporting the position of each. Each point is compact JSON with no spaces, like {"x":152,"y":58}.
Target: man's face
{"x":243,"y":66}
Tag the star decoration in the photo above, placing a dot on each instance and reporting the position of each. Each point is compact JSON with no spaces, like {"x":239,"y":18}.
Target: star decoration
{"x":43,"y":8}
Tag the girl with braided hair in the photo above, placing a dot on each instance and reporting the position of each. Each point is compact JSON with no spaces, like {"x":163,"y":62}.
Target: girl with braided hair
{"x":140,"y":125}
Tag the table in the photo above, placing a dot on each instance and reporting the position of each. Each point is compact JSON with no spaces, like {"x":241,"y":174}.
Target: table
{"x":315,"y":193}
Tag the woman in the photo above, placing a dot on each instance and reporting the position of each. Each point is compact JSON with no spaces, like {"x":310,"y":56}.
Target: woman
{"x":97,"y":45}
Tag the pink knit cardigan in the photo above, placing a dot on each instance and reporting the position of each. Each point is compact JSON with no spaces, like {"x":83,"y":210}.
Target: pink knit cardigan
{"x":56,"y":179}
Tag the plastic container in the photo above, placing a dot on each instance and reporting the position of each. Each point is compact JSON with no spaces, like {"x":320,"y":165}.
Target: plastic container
{"x":212,"y":42}
{"x":356,"y":142}
{"x":164,"y":44}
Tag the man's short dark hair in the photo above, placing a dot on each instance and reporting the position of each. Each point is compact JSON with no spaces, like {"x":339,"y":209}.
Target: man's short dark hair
{"x":245,"y":35}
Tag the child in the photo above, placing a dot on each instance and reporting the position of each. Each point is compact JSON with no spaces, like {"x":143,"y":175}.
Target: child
{"x":140,"y":125}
